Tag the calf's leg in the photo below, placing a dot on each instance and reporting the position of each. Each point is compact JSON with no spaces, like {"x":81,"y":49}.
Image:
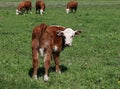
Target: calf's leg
{"x":57,"y":62}
{"x":35,"y":63}
{"x":47,"y":59}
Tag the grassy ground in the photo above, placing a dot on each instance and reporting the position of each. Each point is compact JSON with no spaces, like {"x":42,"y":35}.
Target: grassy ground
{"x":92,"y":62}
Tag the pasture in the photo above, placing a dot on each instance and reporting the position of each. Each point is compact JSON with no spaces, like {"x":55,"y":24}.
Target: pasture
{"x":93,"y":60}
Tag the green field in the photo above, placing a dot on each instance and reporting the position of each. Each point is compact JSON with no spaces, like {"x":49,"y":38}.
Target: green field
{"x":93,"y":60}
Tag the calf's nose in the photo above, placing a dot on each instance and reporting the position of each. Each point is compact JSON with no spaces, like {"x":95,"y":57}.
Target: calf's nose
{"x":67,"y":44}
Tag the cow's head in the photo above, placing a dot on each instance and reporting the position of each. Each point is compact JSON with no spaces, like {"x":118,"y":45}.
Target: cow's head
{"x":17,"y":11}
{"x":67,"y":10}
{"x":68,"y":35}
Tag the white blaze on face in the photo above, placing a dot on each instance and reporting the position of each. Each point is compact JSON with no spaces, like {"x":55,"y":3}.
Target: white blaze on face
{"x":68,"y":34}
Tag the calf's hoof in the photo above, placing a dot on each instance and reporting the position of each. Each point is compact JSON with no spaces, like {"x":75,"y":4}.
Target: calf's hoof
{"x":34,"y":77}
{"x":46,"y":78}
{"x":58,"y":71}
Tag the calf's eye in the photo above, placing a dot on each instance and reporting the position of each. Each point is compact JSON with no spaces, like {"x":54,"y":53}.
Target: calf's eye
{"x":72,"y":36}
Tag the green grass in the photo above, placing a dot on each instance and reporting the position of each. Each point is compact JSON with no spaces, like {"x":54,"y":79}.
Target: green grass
{"x":92,"y":62}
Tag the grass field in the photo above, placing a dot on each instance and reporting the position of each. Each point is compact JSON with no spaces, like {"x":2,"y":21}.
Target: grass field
{"x":92,"y":62}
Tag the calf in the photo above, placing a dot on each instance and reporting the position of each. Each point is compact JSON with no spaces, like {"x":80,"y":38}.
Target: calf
{"x":24,"y":7}
{"x":72,"y":6}
{"x":49,"y":41}
{"x":40,"y":6}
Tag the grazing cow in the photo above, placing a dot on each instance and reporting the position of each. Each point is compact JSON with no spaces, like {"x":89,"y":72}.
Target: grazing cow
{"x":24,"y":7}
{"x":40,"y":6}
{"x":49,"y":41}
{"x":72,"y":6}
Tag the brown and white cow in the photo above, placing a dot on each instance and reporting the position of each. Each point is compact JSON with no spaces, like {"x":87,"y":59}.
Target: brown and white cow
{"x":40,"y":6}
{"x":72,"y":6}
{"x":24,"y":7}
{"x":49,"y":41}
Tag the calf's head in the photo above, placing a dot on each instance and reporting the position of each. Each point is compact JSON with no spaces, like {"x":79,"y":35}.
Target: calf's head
{"x":68,"y":35}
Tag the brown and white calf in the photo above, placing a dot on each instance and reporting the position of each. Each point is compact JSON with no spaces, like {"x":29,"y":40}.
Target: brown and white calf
{"x":40,"y":6}
{"x":24,"y":7}
{"x":72,"y":6}
{"x":49,"y":41}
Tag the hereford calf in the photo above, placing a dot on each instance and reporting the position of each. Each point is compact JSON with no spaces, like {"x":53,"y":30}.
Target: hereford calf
{"x":40,"y":6}
{"x":24,"y":7}
{"x":49,"y":41}
{"x":72,"y":6}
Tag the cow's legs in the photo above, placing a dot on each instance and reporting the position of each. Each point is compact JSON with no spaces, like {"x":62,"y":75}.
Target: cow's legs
{"x":30,"y":10}
{"x":75,"y":9}
{"x":27,"y":10}
{"x":35,"y":62}
{"x":36,"y":11}
{"x":57,"y":62}
{"x":47,"y":59}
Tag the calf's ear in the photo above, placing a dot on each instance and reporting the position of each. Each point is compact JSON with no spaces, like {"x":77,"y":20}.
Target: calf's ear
{"x":43,"y":25}
{"x":59,"y":33}
{"x":77,"y":32}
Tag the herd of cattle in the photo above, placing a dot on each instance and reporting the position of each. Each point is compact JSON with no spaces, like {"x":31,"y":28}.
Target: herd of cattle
{"x":47,"y":40}
{"x":40,"y":6}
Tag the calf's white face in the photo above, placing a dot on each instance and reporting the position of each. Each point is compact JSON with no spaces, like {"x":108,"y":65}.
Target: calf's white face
{"x":68,"y":35}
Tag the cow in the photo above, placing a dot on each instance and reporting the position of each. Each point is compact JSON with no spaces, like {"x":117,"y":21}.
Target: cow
{"x":72,"y":6}
{"x":49,"y":41}
{"x":24,"y":7}
{"x":40,"y":6}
